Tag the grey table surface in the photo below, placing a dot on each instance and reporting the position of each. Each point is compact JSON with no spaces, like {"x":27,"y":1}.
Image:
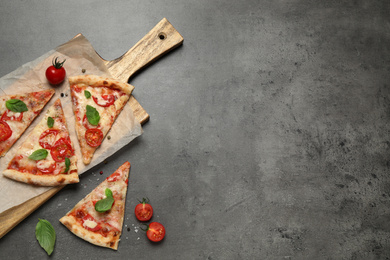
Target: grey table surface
{"x":268,"y":135}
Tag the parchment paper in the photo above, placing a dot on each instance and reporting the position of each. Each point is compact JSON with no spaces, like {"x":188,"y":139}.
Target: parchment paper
{"x":79,"y":55}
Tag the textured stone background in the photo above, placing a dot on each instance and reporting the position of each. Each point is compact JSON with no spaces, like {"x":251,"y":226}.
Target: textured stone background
{"x":269,"y":129}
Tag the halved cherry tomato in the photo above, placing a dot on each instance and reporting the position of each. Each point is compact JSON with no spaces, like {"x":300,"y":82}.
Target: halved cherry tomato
{"x":46,"y":166}
{"x":5,"y":116}
{"x":107,"y":101}
{"x":61,"y":149}
{"x":87,"y":125}
{"x":155,"y":232}
{"x":48,"y":137}
{"x":94,"y":137}
{"x":143,"y":211}
{"x":5,"y":131}
{"x":90,"y":218}
{"x":114,"y":177}
{"x":56,"y":73}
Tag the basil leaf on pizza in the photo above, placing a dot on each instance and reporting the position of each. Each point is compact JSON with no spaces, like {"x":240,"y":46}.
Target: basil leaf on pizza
{"x":39,"y":154}
{"x":67,"y":164}
{"x":92,"y":115}
{"x":46,"y":235}
{"x":16,"y":105}
{"x":108,"y":192}
{"x":50,"y":122}
{"x":87,"y":94}
{"x":105,"y":204}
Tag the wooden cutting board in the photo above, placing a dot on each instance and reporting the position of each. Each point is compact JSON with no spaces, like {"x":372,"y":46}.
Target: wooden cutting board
{"x":160,"y":40}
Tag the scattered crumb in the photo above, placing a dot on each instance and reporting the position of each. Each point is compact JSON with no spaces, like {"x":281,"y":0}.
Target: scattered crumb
{"x":83,"y":70}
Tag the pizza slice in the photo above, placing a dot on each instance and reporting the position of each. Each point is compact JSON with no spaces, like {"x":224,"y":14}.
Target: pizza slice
{"x":97,"y":102}
{"x":17,"y":112}
{"x":98,"y":218}
{"x":47,"y":157}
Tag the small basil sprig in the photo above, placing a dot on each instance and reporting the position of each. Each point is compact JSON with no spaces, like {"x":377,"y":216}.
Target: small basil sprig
{"x":16,"y":105}
{"x":105,"y":204}
{"x":50,"y":122}
{"x":87,"y":94}
{"x":92,"y":115}
{"x":46,"y":235}
{"x":39,"y":154}
{"x":67,"y":164}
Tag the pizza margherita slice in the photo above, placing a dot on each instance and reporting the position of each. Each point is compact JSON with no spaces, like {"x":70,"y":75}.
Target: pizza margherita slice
{"x":47,"y":157}
{"x":98,"y":218}
{"x":16,"y":114}
{"x":97,"y":102}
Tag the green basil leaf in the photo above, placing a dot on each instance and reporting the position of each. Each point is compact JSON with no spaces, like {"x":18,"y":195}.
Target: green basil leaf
{"x":108,"y":192}
{"x":16,"y":105}
{"x":92,"y":115}
{"x":39,"y":154}
{"x":87,"y":94}
{"x":50,"y":122}
{"x":104,"y":204}
{"x":46,"y":235}
{"x":67,"y":164}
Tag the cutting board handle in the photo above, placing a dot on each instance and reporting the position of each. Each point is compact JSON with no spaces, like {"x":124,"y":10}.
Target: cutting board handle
{"x":160,"y":40}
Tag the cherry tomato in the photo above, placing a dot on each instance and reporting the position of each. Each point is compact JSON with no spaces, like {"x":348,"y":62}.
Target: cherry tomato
{"x":47,"y":138}
{"x":5,"y":131}
{"x":143,"y":211}
{"x":61,"y":149}
{"x":94,"y":137}
{"x":155,"y":232}
{"x":87,"y":125}
{"x":56,"y":73}
{"x":5,"y":116}
{"x":105,"y":101}
{"x":46,"y":166}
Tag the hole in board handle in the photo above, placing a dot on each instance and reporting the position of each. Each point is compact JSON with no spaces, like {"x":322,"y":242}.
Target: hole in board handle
{"x":162,"y":36}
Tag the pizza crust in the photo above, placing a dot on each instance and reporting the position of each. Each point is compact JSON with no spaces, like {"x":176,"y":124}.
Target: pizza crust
{"x":42,"y":180}
{"x":92,"y":237}
{"x":93,"y":80}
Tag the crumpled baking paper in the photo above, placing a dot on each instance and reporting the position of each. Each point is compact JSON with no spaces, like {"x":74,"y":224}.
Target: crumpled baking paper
{"x":79,"y":55}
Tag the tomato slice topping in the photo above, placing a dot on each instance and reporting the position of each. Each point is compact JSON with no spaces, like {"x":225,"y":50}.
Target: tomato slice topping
{"x":105,"y":100}
{"x":46,"y":166}
{"x":76,"y":88}
{"x":155,"y":232}
{"x":114,"y":177}
{"x":90,"y":218}
{"x":5,"y":116}
{"x":5,"y":131}
{"x":94,"y":137}
{"x":47,"y":138}
{"x":62,"y":149}
{"x":87,"y":125}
